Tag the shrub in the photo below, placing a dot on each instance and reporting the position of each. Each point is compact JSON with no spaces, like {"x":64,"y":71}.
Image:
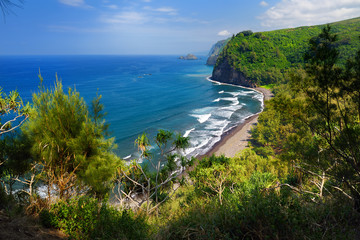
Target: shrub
{"x":87,"y":218}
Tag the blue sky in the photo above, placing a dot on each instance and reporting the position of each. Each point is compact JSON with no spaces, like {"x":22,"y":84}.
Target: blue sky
{"x":153,"y":26}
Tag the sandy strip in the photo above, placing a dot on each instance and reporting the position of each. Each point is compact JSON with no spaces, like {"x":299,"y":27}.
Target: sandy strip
{"x":237,"y":139}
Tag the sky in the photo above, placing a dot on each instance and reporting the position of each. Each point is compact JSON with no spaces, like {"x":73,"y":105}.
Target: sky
{"x":142,"y":27}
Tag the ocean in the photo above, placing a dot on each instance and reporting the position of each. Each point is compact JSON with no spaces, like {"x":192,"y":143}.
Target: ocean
{"x":141,"y":94}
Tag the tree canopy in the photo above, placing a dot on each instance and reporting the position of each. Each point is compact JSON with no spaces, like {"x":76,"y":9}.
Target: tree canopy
{"x":68,"y":145}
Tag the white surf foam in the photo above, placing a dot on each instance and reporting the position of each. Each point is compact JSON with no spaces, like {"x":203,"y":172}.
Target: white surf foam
{"x":201,"y":117}
{"x":235,"y":94}
{"x":188,"y":132}
{"x":234,"y":100}
{"x":217,"y":100}
{"x":205,"y":110}
{"x":227,"y":112}
{"x":217,"y":124}
{"x":221,"y":92}
{"x":258,"y":97}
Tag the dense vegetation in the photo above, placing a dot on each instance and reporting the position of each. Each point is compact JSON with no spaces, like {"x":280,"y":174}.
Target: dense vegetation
{"x":298,"y":180}
{"x":265,"y":57}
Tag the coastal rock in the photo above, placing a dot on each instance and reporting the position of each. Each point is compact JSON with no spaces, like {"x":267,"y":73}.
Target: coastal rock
{"x":225,"y":73}
{"x":212,"y":60}
{"x":189,"y":57}
{"x":215,"y":52}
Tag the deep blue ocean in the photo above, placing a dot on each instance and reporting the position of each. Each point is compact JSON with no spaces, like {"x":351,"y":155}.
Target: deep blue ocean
{"x":141,"y":94}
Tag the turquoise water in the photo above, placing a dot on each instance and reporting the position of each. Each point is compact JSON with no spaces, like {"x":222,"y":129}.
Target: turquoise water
{"x":141,"y":94}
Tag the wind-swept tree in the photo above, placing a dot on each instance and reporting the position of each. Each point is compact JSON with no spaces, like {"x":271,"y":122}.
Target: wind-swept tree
{"x":68,"y":145}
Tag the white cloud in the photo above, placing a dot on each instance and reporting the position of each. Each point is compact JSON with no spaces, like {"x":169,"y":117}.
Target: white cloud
{"x":126,"y":18}
{"x":74,"y":3}
{"x":167,"y":10}
{"x":149,"y":16}
{"x":292,"y":13}
{"x":224,"y":33}
{"x":264,"y":4}
{"x":112,"y":6}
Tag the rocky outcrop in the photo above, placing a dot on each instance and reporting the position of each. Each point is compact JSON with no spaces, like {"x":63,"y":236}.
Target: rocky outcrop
{"x":188,"y":57}
{"x":211,"y":61}
{"x":225,"y":73}
{"x":215,"y":52}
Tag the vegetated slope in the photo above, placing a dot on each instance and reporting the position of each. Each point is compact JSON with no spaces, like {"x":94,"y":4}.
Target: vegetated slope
{"x":252,"y":59}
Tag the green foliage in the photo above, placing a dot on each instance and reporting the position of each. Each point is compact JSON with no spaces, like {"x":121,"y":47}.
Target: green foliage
{"x":280,"y":131}
{"x":16,"y":161}
{"x":269,"y":86}
{"x":14,"y":153}
{"x":266,"y":57}
{"x":312,"y":123}
{"x":68,"y":145}
{"x":258,"y":212}
{"x":86,"y":218}
{"x":6,"y":200}
{"x":221,"y":176}
{"x":332,"y":113}
{"x":97,"y":113}
{"x":12,"y":107}
{"x":151,"y":183}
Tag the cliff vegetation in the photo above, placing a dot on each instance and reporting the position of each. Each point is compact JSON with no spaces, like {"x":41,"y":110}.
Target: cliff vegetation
{"x":266,"y":57}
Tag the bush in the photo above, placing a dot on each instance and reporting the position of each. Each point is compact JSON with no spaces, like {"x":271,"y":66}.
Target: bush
{"x":264,"y":215}
{"x":87,"y":218}
{"x":115,"y":224}
{"x":47,"y":219}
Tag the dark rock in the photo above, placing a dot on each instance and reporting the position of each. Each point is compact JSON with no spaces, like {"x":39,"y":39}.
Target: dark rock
{"x":225,"y":73}
{"x":211,"y":61}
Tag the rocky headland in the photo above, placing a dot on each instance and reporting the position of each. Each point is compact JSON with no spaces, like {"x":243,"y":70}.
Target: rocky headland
{"x":225,"y":73}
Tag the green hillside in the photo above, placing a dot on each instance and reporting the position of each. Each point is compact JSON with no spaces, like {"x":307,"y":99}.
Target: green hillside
{"x":264,"y":57}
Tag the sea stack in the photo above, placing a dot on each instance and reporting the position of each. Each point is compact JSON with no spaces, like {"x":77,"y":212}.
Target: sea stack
{"x":189,"y":57}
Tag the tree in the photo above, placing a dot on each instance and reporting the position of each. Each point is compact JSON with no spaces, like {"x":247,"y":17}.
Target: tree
{"x":147,"y":186}
{"x":14,"y":111}
{"x":15,"y":114}
{"x":68,"y":146}
{"x":14,"y":154}
{"x":332,"y":114}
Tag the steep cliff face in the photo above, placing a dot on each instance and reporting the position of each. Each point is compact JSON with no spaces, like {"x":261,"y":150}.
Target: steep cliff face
{"x":225,"y":73}
{"x":215,"y":51}
{"x":212,"y":60}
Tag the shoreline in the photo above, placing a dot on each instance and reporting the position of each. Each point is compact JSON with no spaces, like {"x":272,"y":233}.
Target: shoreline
{"x":236,"y":139}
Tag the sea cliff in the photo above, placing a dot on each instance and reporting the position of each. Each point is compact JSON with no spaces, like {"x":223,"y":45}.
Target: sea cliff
{"x":225,"y":73}
{"x":255,"y":59}
{"x":215,"y":52}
